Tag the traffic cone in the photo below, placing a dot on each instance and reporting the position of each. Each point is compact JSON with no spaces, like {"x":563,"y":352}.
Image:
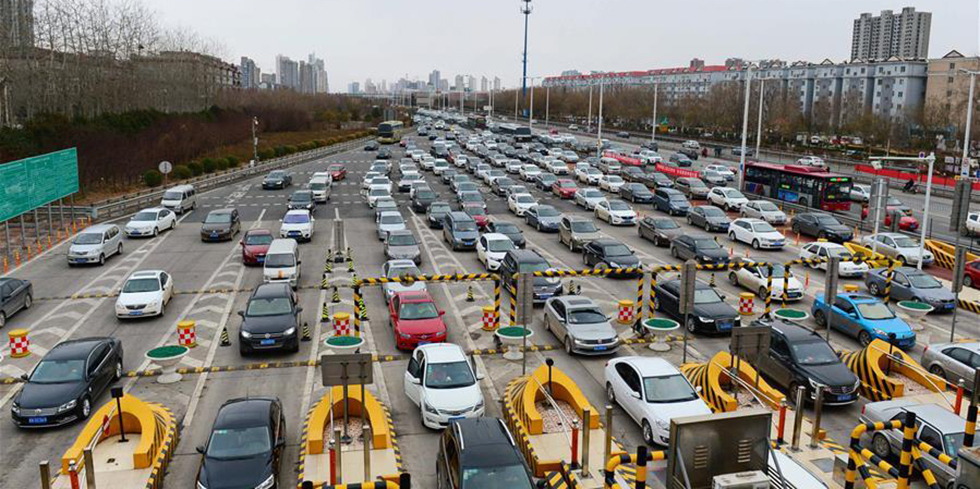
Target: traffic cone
{"x":469,"y":293}
{"x":323,"y":282}
{"x":364,"y":316}
{"x":328,"y":265}
{"x":806,"y":282}
{"x":748,"y":253}
{"x":350,"y":257}
{"x":306,"y":332}
{"x":325,"y":313}
{"x":353,"y":280}
{"x":336,"y":295}
{"x":712,"y":283}
{"x":350,"y":266}
{"x":225,"y":341}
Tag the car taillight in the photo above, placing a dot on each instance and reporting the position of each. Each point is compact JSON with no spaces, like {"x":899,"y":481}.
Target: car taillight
{"x":862,"y":409}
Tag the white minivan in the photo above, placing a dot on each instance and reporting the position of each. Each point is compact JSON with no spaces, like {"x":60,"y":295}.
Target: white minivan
{"x":320,"y":186}
{"x":282,"y":262}
{"x":180,"y":198}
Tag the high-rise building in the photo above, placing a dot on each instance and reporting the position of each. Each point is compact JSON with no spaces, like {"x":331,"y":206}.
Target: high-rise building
{"x":948,"y":90}
{"x":307,"y":78}
{"x":320,"y":84}
{"x":287,"y":72}
{"x":267,"y":81}
{"x":17,"y":23}
{"x":443,"y":85}
{"x":251,"y":74}
{"x":458,"y":86}
{"x":905,"y":35}
{"x":471,"y":83}
{"x":354,"y":88}
{"x":496,"y":83}
{"x":384,"y":86}
{"x":484,"y":84}
{"x":434,"y":78}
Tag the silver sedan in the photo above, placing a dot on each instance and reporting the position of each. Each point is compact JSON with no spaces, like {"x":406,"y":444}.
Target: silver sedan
{"x":580,"y":325}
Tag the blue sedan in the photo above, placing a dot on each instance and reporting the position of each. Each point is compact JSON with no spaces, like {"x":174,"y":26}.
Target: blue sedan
{"x":864,"y":317}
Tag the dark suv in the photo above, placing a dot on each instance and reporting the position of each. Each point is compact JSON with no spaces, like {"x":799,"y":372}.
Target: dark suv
{"x":460,"y":231}
{"x":480,"y":452}
{"x":270,"y":320}
{"x":522,"y":261}
{"x":710,"y":313}
{"x":245,"y":446}
{"x":799,"y":356}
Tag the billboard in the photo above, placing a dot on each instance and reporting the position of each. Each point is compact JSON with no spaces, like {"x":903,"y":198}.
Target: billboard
{"x":33,"y":182}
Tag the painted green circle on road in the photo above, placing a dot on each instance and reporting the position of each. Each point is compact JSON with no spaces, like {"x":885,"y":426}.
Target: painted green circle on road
{"x":661,"y":324}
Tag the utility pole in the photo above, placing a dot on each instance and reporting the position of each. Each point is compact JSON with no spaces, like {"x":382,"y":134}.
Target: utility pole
{"x":588,"y":127}
{"x":758,"y":132}
{"x":969,"y":117}
{"x":653,"y":126}
{"x":745,"y":128}
{"x":526,"y":10}
{"x":530,"y":119}
{"x":255,"y":140}
{"x":598,"y":139}
{"x":547,"y":104}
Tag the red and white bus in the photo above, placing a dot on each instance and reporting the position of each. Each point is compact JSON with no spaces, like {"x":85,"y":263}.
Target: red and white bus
{"x":804,"y":185}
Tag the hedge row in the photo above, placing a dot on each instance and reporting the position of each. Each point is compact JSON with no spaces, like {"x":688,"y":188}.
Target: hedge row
{"x":153,"y":178}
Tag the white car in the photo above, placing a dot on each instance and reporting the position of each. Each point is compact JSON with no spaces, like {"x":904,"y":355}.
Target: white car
{"x":529,"y":172}
{"x":723,"y":171}
{"x":825,"y":249}
{"x":444,"y":384}
{"x":401,"y":268}
{"x":898,"y":247}
{"x":811,"y":161}
{"x":461,"y":161}
{"x":765,"y":210}
{"x":649,"y":157}
{"x":520,"y":203}
{"x":389,"y":221}
{"x":513,"y":166}
{"x":492,"y":176}
{"x":611,"y":183}
{"x":557,"y":167}
{"x":491,"y":249}
{"x":482,"y":170}
{"x":756,"y":279}
{"x":377,"y":193}
{"x":149,"y":222}
{"x":727,"y":198}
{"x":145,"y":293}
{"x":652,"y":392}
{"x":588,"y":197}
{"x":297,"y":224}
{"x":860,"y":192}
{"x":569,"y":156}
{"x":615,"y":212}
{"x":439,"y":166}
{"x":380,"y":182}
{"x":592,"y":176}
{"x":366,"y":182}
{"x":756,"y":232}
{"x":428,"y":162}
{"x":417,"y":155}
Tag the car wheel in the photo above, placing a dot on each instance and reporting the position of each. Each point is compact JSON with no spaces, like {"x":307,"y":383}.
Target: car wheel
{"x":173,"y":224}
{"x":968,"y":281}
{"x":3,"y":319}
{"x":937,"y":371}
{"x":864,"y":338}
{"x":820,"y":318}
{"x":163,"y":309}
{"x":881,"y":446}
{"x":673,"y":252}
{"x":610,"y":393}
{"x":568,"y":345}
{"x":707,"y":227}
{"x":902,"y":260}
{"x":763,"y":292}
{"x":755,"y":244}
{"x":691,"y":325}
{"x":86,"y":408}
{"x":102,"y":259}
{"x":156,"y":231}
{"x":874,"y":289}
{"x":118,"y":372}
{"x":733,"y":278}
{"x":28,"y":301}
{"x":731,"y":236}
{"x":648,"y":433}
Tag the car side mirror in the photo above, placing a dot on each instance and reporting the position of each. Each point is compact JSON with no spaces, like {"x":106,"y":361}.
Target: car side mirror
{"x":415,"y":380}
{"x":636,"y":395}
{"x":442,"y":313}
{"x":698,"y":389}
{"x":242,"y":314}
{"x":280,"y":443}
{"x":299,"y":262}
{"x":200,"y":449}
{"x":299,"y":310}
{"x":852,"y":314}
{"x":23,"y":377}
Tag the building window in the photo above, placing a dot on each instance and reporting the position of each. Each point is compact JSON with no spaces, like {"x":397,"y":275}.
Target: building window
{"x":949,"y":80}
{"x":899,"y":106}
{"x":900,"y":94}
{"x":903,"y":69}
{"x":949,"y":93}
{"x":952,"y":66}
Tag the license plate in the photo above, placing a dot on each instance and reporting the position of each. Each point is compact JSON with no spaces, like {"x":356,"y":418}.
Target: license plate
{"x":948,"y":306}
{"x":724,"y":326}
{"x":455,"y":418}
{"x":267,"y":342}
{"x":424,"y":343}
{"x":261,"y":259}
{"x":37,"y":420}
{"x":214,"y":235}
{"x":845,"y":397}
{"x":601,"y":348}
{"x":135,"y":313}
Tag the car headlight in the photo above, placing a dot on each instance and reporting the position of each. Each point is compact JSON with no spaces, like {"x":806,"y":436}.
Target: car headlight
{"x":429,"y":409}
{"x":814,"y":384}
{"x":246,"y":334}
{"x":289,"y":332}
{"x":479,"y":405}
{"x":68,"y":405}
{"x":705,"y":320}
{"x":15,"y":408}
{"x":880,"y":333}
{"x":266,"y":484}
{"x":614,"y":265}
{"x":663,"y":424}
{"x":405,"y":335}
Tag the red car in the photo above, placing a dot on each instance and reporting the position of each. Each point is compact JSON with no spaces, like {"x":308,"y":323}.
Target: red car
{"x":971,"y":274}
{"x":255,"y":244}
{"x":415,"y":320}
{"x":564,"y":188}
{"x":478,"y":213}
{"x":337,"y":172}
{"x":905,"y":220}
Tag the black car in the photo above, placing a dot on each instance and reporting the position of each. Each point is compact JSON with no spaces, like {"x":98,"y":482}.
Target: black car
{"x":436,"y":213}
{"x":691,"y":153}
{"x":660,"y":230}
{"x":631,"y":173}
{"x":525,"y":261}
{"x":448,"y":174}
{"x":65,"y":383}
{"x":371,"y":146}
{"x":623,"y":135}
{"x":545,"y":180}
{"x":799,"y":356}
{"x":704,"y":249}
{"x":501,"y":185}
{"x":544,"y":218}
{"x":245,"y":446}
{"x":651,"y":145}
{"x":508,"y":229}
{"x":656,"y":180}
{"x":636,"y":193}
{"x":220,"y":224}
{"x":681,"y":159}
{"x":302,"y":199}
{"x":609,"y":253}
{"x":384,"y":154}
{"x":482,"y":452}
{"x":822,"y":226}
{"x":15,"y":294}
{"x":709,"y":217}
{"x":277,"y":179}
{"x":270,"y":320}
{"x":423,"y":198}
{"x":710,"y":313}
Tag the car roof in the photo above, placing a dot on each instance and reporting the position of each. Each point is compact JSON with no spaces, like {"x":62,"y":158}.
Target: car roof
{"x":969,"y":344}
{"x":486,"y":442}
{"x":575,"y":301}
{"x":443,"y":353}
{"x":891,"y":235}
{"x":146,"y":274}
{"x":269,"y":290}
{"x":937,"y":416}
{"x":604,"y":242}
{"x":258,"y":231}
{"x":793,"y":332}
{"x":860,"y":298}
{"x":98,"y":228}
{"x":651,"y":366}
{"x":226,"y":210}
{"x":74,"y":349}
{"x":242,"y":412}
{"x":298,"y":211}
{"x":415,"y":296}
{"x":526,"y":255}
{"x":495,"y":236}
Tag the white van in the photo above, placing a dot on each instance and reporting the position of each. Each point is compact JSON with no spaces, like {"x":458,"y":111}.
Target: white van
{"x":282,"y":262}
{"x":320,"y":186}
{"x":180,"y":198}
{"x":691,"y":144}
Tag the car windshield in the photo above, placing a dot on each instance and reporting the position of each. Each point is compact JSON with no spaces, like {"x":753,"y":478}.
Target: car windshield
{"x":464,"y":187}
{"x":924,"y":281}
{"x":706,"y":296}
{"x":438,"y":209}
{"x":280,"y":260}
{"x":258,"y":239}
{"x":586,"y":316}
{"x":666,"y":224}
{"x":593,"y":194}
{"x":668,"y":388}
{"x":534,"y":266}
{"x":239,"y":442}
{"x":827,"y":221}
{"x":695,"y":183}
{"x":733,"y":194}
{"x":566,"y":184}
{"x":137,"y":285}
{"x":905,"y":242}
{"x":500,"y":477}
{"x":335,"y":168}
{"x":318,"y":186}
{"x":55,"y":371}
{"x":218,"y":218}
{"x":712,"y":212}
{"x":617,"y":205}
{"x":268,"y":306}
{"x":875,"y":311}
{"x":842,"y":253}
{"x":618,"y":250}
{"x":303,"y":196}
{"x":475,"y":210}
{"x":500,"y":245}
{"x":706,"y":244}
{"x":403,"y":272}
{"x":547,"y":212}
{"x":763,"y":227}
{"x":296,"y":218}
{"x":524,"y":199}
{"x":392,"y":219}
{"x":277,"y":174}
{"x":449,"y":375}
{"x":88,"y":239}
{"x":814,"y":353}
{"x":173,"y":195}
{"x":614,"y":179}
{"x":466,"y":226}
{"x":768,"y":206}
{"x":678,"y":197}
{"x":418,"y":310}
{"x":471,"y":197}
{"x":583,"y":227}
{"x":145,"y":216}
{"x":505,"y":228}
{"x":778,"y":271}
{"x":401,"y":240}
{"x":425,"y":194}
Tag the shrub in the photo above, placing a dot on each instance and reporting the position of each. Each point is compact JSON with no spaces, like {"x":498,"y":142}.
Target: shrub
{"x":152,"y":178}
{"x":233,"y":162}
{"x":267,"y":153}
{"x":221,"y":164}
{"x":181,"y":172}
{"x":321,"y":143}
{"x":290,"y":149}
{"x":196,"y":168}
{"x":209,"y":165}
{"x":280,"y":150}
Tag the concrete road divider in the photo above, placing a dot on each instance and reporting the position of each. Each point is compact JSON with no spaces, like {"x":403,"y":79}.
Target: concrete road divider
{"x":714,"y":379}
{"x":879,"y":367}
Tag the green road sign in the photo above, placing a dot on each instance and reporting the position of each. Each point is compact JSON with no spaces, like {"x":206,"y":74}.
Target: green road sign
{"x":32,"y":182}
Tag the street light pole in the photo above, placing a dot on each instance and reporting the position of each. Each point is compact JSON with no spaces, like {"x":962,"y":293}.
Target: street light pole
{"x":255,"y":140}
{"x":969,"y":117}
{"x":530,"y":119}
{"x":598,"y":140}
{"x":745,"y":128}
{"x":588,"y":123}
{"x":526,"y":10}
{"x":925,"y":217}
{"x":547,"y":104}
{"x":758,"y":131}
{"x":653,"y":126}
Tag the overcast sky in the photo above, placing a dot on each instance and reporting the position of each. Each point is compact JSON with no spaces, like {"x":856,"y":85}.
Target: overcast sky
{"x":388,"y":39}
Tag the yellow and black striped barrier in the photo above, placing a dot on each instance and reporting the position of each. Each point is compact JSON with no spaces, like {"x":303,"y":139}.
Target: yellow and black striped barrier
{"x":640,"y":459}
